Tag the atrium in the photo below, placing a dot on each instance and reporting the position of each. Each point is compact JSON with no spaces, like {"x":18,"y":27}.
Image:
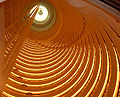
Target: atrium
{"x":59,"y":48}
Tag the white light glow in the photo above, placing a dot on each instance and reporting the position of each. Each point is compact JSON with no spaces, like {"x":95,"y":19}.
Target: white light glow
{"x":42,"y":13}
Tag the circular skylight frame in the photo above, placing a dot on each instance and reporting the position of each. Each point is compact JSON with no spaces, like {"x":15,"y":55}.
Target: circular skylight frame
{"x":41,"y":26}
{"x":45,"y":25}
{"x":41,"y":17}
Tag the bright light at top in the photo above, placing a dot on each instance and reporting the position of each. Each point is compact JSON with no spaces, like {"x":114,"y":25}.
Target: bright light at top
{"x":42,"y":13}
